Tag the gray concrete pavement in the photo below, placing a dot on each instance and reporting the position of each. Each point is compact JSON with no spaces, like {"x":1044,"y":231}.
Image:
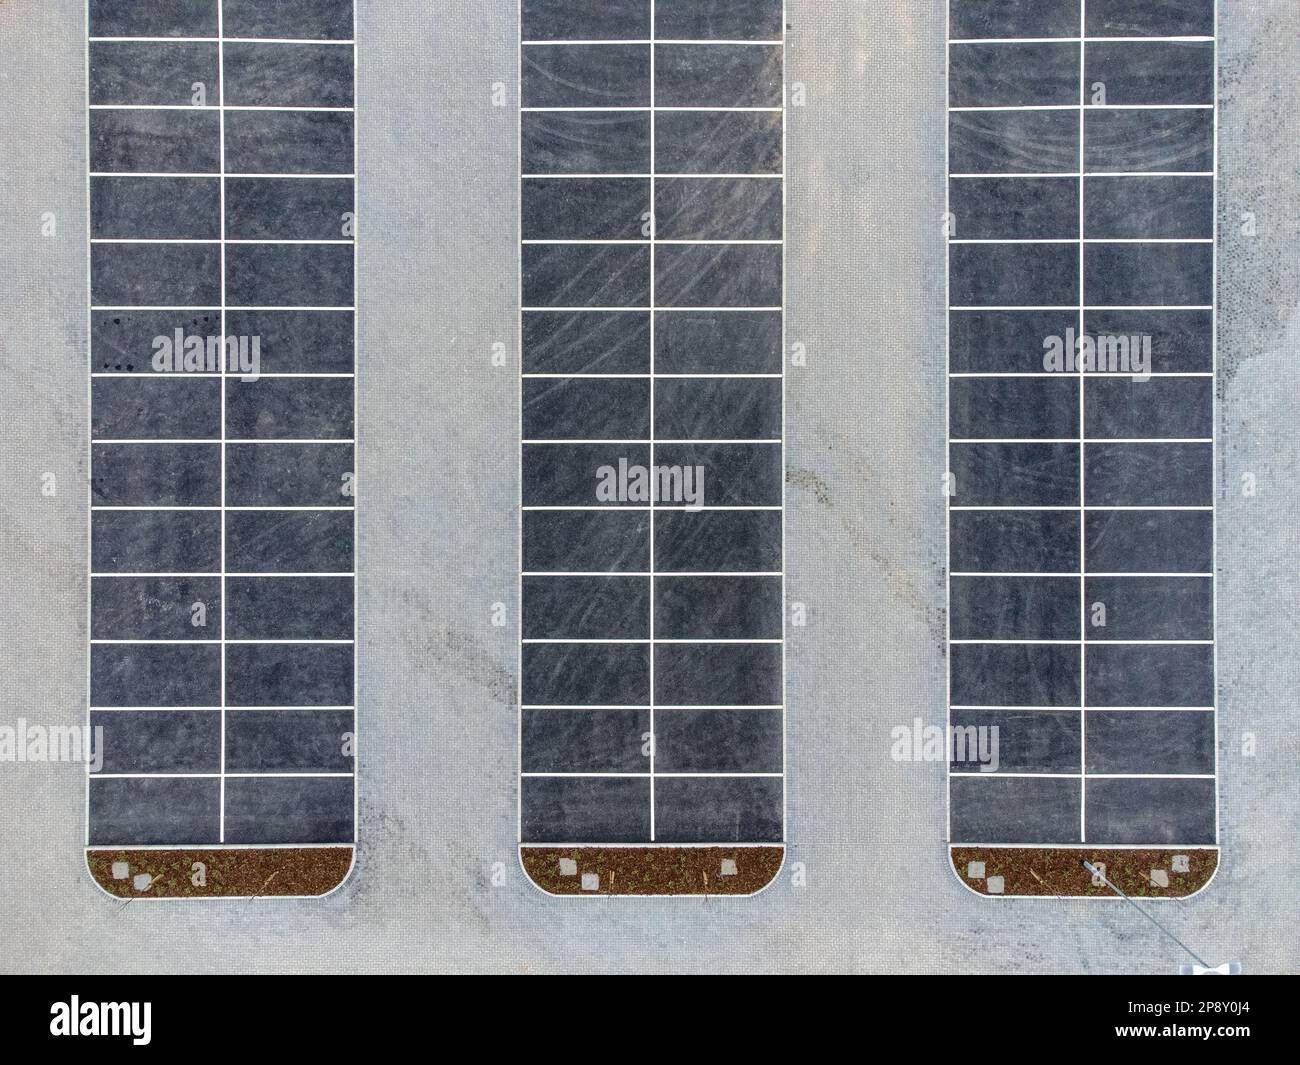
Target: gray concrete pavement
{"x":437,"y":885}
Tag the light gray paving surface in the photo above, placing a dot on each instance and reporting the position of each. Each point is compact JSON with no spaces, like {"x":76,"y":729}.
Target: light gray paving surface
{"x":438,"y":759}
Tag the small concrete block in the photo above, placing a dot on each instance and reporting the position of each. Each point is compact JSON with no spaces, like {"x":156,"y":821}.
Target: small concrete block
{"x":121,"y":871}
{"x":143,"y":882}
{"x":1160,"y":878}
{"x":728,"y":867}
{"x":996,"y":885}
{"x":568,"y":867}
{"x":1099,"y":877}
{"x":1182,"y":863}
{"x":975,"y":871}
{"x":590,"y":882}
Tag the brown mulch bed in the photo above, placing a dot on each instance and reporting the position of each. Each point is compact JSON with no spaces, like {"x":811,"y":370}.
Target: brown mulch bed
{"x":654,"y":870}
{"x":229,"y":874}
{"x":1060,"y":871}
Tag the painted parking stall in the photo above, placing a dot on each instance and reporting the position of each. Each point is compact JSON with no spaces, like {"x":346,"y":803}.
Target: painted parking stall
{"x":1081,"y":224}
{"x":652,"y":587}
{"x":222,"y":208}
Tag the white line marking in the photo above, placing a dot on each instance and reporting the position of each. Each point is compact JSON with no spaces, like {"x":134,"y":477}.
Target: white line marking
{"x":657,"y":773}
{"x":228,"y":307}
{"x":1077,"y":846}
{"x":646,"y":41}
{"x":213,"y":176}
{"x":1082,"y":776}
{"x":1093,"y":240}
{"x":221,"y":82}
{"x":1085,"y":107}
{"x":572,"y":641}
{"x":211,"y":709}
{"x":594,"y":506}
{"x":199,"y":576}
{"x":110,"y":374}
{"x":660,"y":376}
{"x":145,"y":441}
{"x":703,"y":175}
{"x":1092,"y":377}
{"x":1077,"y":40}
{"x":223,"y":643}
{"x":1091,"y":506}
{"x":210,"y":107}
{"x":215,"y":40}
{"x":1214,"y":406}
{"x":154,"y":240}
{"x":648,"y":244}
{"x":1091,"y":573}
{"x":1094,"y":709}
{"x":646,"y":573}
{"x":654,"y":233}
{"x":646,"y":309}
{"x":1097,"y":307}
{"x":1076,"y":174}
{"x":223,"y":776}
{"x":1074,"y":643}
{"x":569,"y":441}
{"x":1078,"y":440}
{"x":582,"y":110}
{"x":646,"y":706}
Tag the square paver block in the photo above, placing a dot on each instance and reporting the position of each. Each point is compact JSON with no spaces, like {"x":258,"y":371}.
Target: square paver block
{"x":121,"y":871}
{"x":728,"y":867}
{"x":143,"y":882}
{"x":590,"y":882}
{"x":996,"y":885}
{"x":975,"y":871}
{"x":1159,"y":877}
{"x":568,"y":867}
{"x":1182,"y":863}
